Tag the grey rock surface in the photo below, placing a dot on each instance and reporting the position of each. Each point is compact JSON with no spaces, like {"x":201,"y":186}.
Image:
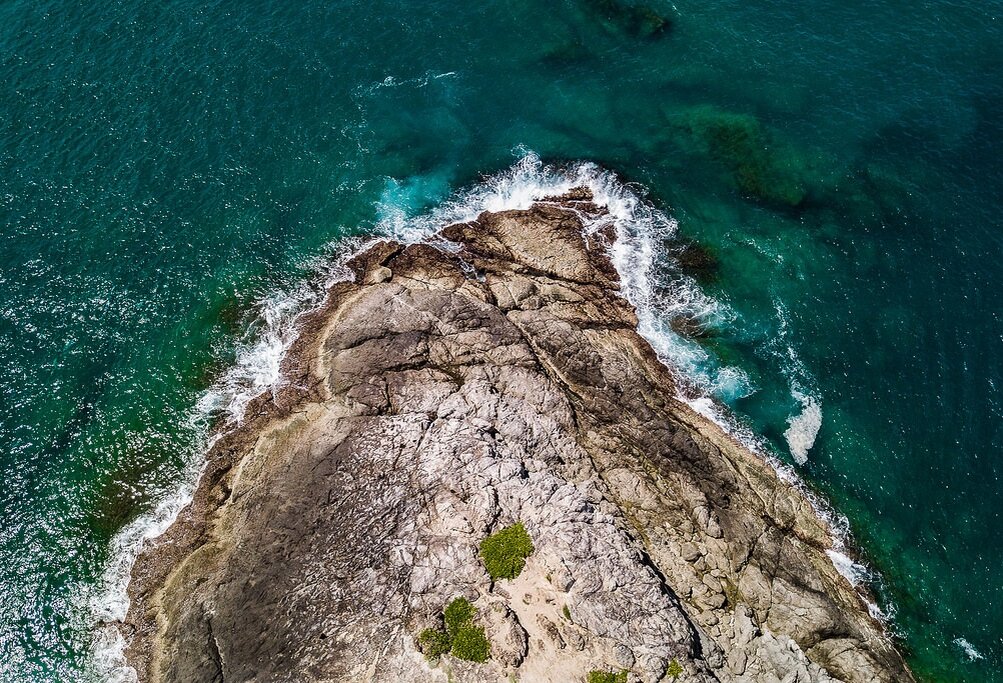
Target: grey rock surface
{"x":443,"y":395}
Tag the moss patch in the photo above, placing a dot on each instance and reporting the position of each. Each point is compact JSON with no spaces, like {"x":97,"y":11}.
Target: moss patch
{"x":434,"y":643}
{"x":462,"y":638}
{"x":731,"y":593}
{"x":458,"y":613}
{"x":674,"y":670}
{"x":470,"y":644}
{"x":607,"y":677}
{"x":504,"y":553}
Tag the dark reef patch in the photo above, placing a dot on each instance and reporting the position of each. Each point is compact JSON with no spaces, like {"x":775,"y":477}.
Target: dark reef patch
{"x":635,"y":20}
{"x":759,"y":165}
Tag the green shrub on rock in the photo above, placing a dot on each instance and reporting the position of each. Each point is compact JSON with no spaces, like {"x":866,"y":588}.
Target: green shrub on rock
{"x":504,"y":553}
{"x":674,"y":670}
{"x":458,"y":613}
{"x":471,"y":644}
{"x":434,"y":643}
{"x":462,"y":638}
{"x":607,"y":676}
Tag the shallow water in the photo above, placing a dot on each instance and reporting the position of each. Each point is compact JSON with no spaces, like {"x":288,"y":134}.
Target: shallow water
{"x":166,"y":169}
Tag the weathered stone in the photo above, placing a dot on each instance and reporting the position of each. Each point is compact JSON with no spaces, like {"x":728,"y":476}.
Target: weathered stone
{"x":550,"y":632}
{"x":574,"y":639}
{"x":623,"y":656}
{"x":442,"y":396}
{"x":509,"y":642}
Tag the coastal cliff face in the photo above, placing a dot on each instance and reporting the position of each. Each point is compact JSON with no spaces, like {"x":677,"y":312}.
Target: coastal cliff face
{"x":449,"y":392}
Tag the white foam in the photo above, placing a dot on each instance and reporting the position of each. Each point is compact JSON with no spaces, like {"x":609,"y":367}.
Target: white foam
{"x":650,"y":280}
{"x":110,"y":602}
{"x":857,"y":574}
{"x":854,"y":572}
{"x":969,"y":649}
{"x":658,"y":291}
{"x":803,"y":428}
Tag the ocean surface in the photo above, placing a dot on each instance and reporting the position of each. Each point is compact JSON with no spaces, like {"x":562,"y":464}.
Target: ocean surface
{"x":812,"y":190}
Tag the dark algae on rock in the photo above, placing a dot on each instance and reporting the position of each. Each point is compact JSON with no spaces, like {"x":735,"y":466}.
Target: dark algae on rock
{"x":353,"y":527}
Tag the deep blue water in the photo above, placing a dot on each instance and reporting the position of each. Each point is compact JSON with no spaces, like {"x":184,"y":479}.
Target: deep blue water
{"x":165,"y":167}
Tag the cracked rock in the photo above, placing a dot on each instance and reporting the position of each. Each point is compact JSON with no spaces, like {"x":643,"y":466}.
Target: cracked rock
{"x":441,"y":396}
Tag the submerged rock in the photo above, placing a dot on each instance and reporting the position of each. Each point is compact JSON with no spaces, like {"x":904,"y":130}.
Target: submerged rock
{"x":442,"y":397}
{"x":760,"y":167}
{"x":635,"y":19}
{"x":697,"y":260}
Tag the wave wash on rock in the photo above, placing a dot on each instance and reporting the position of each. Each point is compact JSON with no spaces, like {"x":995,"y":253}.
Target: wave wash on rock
{"x":490,"y":377}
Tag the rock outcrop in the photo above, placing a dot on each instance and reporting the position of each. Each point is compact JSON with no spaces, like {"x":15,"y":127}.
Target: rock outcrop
{"x":447,"y":393}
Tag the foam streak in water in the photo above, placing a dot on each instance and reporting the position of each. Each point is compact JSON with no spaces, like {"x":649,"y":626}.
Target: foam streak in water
{"x":969,"y":649}
{"x":803,"y":428}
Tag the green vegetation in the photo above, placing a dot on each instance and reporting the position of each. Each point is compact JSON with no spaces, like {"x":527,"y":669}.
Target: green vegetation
{"x":434,"y":643}
{"x":674,"y":669}
{"x":462,"y":637}
{"x":471,"y":644}
{"x":566,"y":612}
{"x":504,"y":553}
{"x":731,"y":593}
{"x":607,"y":677}
{"x":458,"y":613}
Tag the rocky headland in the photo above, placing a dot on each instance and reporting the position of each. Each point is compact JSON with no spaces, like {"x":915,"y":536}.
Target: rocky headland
{"x":492,"y":381}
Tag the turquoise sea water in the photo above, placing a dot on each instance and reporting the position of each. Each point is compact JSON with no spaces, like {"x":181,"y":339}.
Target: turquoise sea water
{"x":165,"y":168}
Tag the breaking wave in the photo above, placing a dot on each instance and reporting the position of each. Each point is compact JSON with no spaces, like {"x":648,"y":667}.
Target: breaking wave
{"x":650,"y":279}
{"x":256,"y":370}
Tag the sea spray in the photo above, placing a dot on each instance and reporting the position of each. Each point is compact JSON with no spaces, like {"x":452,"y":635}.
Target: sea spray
{"x":659,"y":291}
{"x":968,"y":649}
{"x":650,"y":280}
{"x":110,"y":603}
